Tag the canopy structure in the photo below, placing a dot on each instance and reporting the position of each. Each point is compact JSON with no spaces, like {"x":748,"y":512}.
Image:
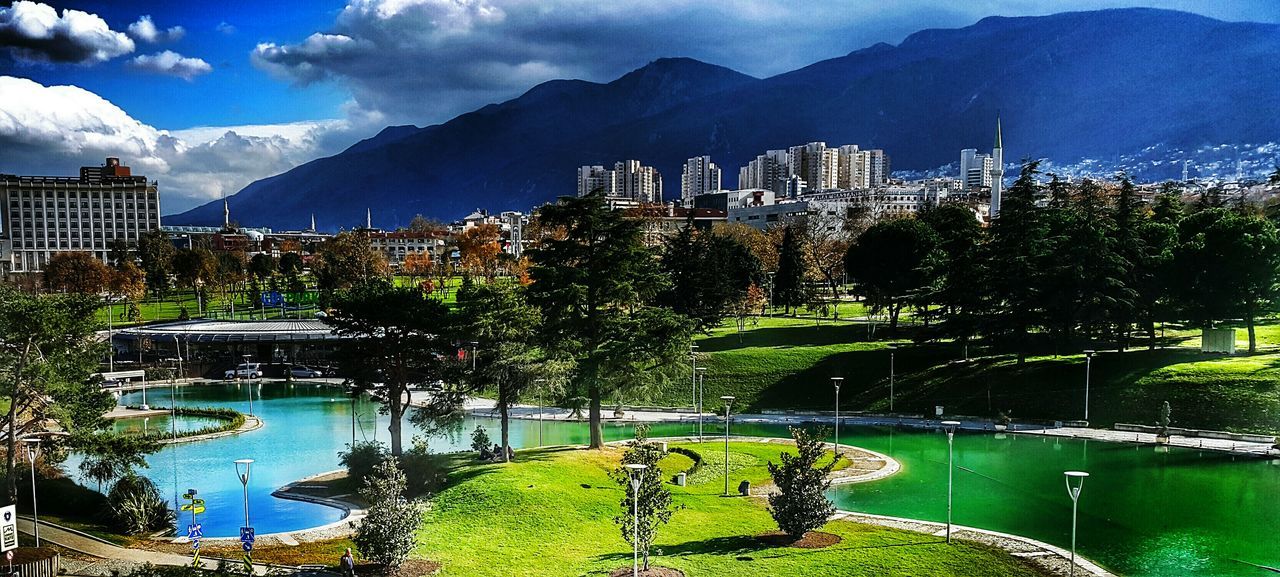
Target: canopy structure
{"x":233,"y":332}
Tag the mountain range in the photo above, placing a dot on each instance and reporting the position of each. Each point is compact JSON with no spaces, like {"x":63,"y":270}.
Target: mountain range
{"x":1067,"y":86}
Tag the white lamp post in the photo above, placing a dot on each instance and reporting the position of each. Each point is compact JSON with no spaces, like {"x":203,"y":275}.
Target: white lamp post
{"x":540,"y":384}
{"x":892,"y":350}
{"x":33,"y":450}
{"x":702,"y":373}
{"x":836,"y":381}
{"x":728,"y":400}
{"x":950,"y":426}
{"x":475,"y":350}
{"x":636,"y":472}
{"x":1075,"y":483}
{"x":1088,"y":368}
{"x":244,"y":464}
{"x":693,"y":375}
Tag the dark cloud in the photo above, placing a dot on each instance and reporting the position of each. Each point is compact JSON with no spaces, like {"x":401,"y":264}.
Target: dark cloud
{"x":35,"y":32}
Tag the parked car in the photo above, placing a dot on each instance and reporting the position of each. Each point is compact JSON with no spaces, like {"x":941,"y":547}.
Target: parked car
{"x":244,"y":371}
{"x":305,"y":372}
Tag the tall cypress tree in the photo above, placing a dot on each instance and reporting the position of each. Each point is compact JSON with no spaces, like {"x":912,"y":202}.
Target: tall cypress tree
{"x":1015,"y":253}
{"x":790,"y":288}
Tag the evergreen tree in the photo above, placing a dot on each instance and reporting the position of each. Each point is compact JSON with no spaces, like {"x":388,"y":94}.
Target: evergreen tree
{"x":957,"y":276}
{"x":707,"y":275}
{"x":892,"y":263}
{"x":651,"y":503}
{"x":790,"y":286}
{"x":596,"y":284}
{"x":1016,"y":251}
{"x":156,"y":253}
{"x":800,"y":505}
{"x":388,"y":533}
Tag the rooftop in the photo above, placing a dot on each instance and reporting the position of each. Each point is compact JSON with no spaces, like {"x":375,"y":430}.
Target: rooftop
{"x":213,"y":331}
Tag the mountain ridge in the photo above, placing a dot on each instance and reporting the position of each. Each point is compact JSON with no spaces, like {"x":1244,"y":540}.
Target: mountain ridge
{"x":1067,"y":85}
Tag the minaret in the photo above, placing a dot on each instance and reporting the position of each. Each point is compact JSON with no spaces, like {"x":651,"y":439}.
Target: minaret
{"x":997,"y":172}
{"x":226,"y":213}
{"x":368,"y":218}
{"x":313,"y":222}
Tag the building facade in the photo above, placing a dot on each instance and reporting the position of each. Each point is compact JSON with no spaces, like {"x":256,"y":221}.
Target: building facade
{"x":699,"y":176}
{"x":628,"y":180}
{"x":45,"y":215}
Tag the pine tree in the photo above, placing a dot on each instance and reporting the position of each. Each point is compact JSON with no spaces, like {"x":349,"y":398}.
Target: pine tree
{"x":790,"y":286}
{"x":801,"y":503}
{"x":1016,"y":252}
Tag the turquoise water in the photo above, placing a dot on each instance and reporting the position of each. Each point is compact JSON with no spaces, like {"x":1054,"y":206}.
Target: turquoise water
{"x":1143,"y":512}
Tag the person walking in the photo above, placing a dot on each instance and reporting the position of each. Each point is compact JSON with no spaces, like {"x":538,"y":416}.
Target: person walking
{"x":347,"y":564}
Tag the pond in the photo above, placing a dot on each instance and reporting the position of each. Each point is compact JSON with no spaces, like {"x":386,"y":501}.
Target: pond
{"x":1143,"y":512}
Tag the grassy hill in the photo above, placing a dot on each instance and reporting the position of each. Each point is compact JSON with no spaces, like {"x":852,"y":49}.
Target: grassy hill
{"x":787,"y":363}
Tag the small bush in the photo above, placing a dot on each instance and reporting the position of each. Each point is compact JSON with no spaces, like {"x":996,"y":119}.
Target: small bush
{"x":389,"y":532}
{"x":693,"y":456}
{"x":137,"y":507}
{"x":421,"y":469}
{"x":801,"y":503}
{"x":480,"y":441}
{"x":361,"y":458}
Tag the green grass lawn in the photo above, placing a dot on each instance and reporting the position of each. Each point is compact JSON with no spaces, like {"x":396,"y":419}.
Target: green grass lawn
{"x":787,"y":363}
{"x":551,"y":513}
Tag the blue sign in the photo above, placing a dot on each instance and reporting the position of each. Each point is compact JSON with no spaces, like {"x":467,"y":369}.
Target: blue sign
{"x":272,"y":299}
{"x":248,"y":546}
{"x":194,"y":532}
{"x":246,"y":534}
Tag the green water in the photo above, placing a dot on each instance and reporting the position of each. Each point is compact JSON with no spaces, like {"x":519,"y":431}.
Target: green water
{"x":1143,"y":512}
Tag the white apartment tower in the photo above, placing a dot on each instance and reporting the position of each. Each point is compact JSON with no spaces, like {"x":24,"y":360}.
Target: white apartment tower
{"x":975,"y":170}
{"x":699,"y":176}
{"x":816,"y":164}
{"x":877,"y":166}
{"x":629,"y":179}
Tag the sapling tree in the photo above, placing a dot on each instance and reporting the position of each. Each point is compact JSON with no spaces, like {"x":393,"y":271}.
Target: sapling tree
{"x":801,"y":503}
{"x":387,"y":534}
{"x":652,"y":502}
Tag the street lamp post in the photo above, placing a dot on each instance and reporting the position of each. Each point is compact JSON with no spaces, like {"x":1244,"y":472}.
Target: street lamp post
{"x":771,"y":295}
{"x":636,"y":472}
{"x":693,"y":376}
{"x":244,"y":464}
{"x":539,"y":383}
{"x":728,"y":400}
{"x":475,"y":350}
{"x":950,"y":426}
{"x":33,"y":449}
{"x":1074,"y":492}
{"x":1088,"y":368}
{"x":836,"y":381}
{"x":892,"y":349}
{"x":246,"y":376}
{"x":702,"y":373}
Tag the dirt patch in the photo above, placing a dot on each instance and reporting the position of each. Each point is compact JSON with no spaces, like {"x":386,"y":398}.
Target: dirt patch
{"x":653,"y":571}
{"x":410,"y":568}
{"x":810,"y":540}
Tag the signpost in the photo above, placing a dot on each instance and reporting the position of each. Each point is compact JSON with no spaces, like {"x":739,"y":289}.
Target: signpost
{"x":194,"y":530}
{"x":8,"y":528}
{"x":246,"y":540}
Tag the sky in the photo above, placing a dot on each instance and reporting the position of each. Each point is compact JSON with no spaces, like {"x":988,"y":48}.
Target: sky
{"x":206,"y":97}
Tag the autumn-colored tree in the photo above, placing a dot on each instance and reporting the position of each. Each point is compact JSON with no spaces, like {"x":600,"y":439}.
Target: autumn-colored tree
{"x":760,"y":243}
{"x":750,"y":303}
{"x":76,"y":272}
{"x":417,"y":265}
{"x":346,"y":260}
{"x":478,"y":249}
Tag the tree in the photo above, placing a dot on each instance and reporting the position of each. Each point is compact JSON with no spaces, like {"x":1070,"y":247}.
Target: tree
{"x":801,"y":503}
{"x":790,"y":286}
{"x":826,"y":241}
{"x":395,"y":339}
{"x":751,"y":303}
{"x":387,"y":534}
{"x":156,"y":253}
{"x":230,"y":275}
{"x":760,"y":243}
{"x":595,"y":284}
{"x":110,"y":456}
{"x":509,"y":362}
{"x":76,"y":272}
{"x":707,"y":275}
{"x":291,"y":264}
{"x":47,"y":352}
{"x":1226,"y":267}
{"x":262,"y":266}
{"x":346,"y":260}
{"x":417,"y":265}
{"x":957,"y":276}
{"x":478,"y":249}
{"x":892,"y":263}
{"x":651,"y":502}
{"x":195,"y":268}
{"x":421,"y":223}
{"x":119,"y":252}
{"x":1015,"y":252}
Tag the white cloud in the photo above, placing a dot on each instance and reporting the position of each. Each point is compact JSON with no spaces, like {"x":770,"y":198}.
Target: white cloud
{"x":145,"y":30}
{"x":56,"y":129}
{"x":172,"y":64}
{"x":34,"y":32}
{"x":225,"y":28}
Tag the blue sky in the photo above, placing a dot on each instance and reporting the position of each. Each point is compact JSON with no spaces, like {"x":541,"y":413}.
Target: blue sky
{"x":285,"y":81}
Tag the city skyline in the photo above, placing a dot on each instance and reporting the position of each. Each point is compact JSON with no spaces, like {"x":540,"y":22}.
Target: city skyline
{"x":208,"y":99}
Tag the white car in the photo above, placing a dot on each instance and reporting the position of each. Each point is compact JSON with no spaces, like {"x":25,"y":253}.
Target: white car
{"x":244,"y":371}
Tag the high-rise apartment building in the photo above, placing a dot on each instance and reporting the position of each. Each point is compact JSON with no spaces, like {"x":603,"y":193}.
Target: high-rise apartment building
{"x":816,"y":164}
{"x":699,"y":176}
{"x":629,"y":180}
{"x":975,"y":170}
{"x":769,"y":171}
{"x":44,"y":215}
{"x":852,"y":173}
{"x":877,"y":166}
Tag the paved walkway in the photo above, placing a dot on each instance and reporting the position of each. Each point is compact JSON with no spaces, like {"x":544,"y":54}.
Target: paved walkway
{"x":114,"y":558}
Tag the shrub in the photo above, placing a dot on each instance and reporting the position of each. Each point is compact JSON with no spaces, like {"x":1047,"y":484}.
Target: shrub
{"x":137,"y":507}
{"x":388,"y":534}
{"x":422,"y":470}
{"x":693,"y":456}
{"x":361,"y":458}
{"x":480,"y":441}
{"x":801,"y":504}
{"x":651,"y":501}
